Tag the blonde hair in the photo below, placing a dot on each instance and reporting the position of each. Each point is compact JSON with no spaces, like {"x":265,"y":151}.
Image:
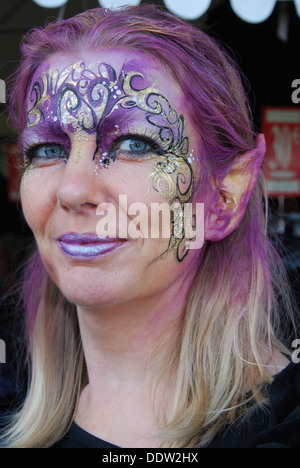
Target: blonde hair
{"x":233,"y":315}
{"x":220,"y":356}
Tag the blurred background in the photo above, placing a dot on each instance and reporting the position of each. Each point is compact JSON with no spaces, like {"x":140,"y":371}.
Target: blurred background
{"x":263,"y":36}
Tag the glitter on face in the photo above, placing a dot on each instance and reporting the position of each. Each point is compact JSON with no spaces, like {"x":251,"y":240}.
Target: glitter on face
{"x":87,"y":100}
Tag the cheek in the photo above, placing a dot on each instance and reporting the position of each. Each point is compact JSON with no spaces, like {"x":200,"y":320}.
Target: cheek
{"x":157,"y":187}
{"x":131,"y":186}
{"x":37,"y":198}
{"x":135,"y":180}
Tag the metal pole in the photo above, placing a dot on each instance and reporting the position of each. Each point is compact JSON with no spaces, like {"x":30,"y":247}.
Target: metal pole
{"x":61,"y":12}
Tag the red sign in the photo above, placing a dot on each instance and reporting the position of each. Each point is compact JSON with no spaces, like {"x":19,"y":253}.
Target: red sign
{"x":14,"y":171}
{"x":281,"y":126}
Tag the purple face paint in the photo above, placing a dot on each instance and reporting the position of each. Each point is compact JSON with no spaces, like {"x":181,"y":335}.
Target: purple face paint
{"x":84,"y":101}
{"x":87,"y":99}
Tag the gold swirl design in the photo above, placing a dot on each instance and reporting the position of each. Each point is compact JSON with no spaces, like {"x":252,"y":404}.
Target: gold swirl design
{"x":86,"y":98}
{"x":41,"y":98}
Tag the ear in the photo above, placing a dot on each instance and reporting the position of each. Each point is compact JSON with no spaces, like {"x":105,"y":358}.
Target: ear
{"x":231,"y":195}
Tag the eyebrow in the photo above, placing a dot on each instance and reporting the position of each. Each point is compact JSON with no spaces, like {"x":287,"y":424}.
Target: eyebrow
{"x":43,"y":129}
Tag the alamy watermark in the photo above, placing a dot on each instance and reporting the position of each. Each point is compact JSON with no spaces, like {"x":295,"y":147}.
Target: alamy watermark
{"x":296,"y":353}
{"x":296,"y":94}
{"x":160,"y":220}
{"x":2,"y":92}
{"x":2,"y":352}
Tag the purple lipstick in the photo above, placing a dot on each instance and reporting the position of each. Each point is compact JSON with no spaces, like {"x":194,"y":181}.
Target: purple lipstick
{"x":85,"y":246}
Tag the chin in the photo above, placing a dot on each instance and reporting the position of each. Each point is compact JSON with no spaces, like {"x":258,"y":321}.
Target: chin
{"x":95,"y":296}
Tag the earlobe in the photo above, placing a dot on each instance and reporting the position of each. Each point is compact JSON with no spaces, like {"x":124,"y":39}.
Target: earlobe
{"x":231,"y":195}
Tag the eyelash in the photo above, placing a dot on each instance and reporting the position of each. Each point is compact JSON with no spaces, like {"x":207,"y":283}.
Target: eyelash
{"x":144,"y":136}
{"x":29,"y":150}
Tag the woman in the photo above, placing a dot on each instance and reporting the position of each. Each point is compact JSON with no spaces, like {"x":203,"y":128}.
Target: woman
{"x":136,"y":339}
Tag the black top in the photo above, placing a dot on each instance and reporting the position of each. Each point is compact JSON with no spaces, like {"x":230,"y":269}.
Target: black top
{"x":239,"y":437}
{"x":277,"y":427}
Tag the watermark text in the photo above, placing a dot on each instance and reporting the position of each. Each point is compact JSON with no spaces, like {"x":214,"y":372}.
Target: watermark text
{"x":296,"y":93}
{"x":296,"y":353}
{"x":2,"y":92}
{"x":158,"y":220}
{"x":2,"y":352}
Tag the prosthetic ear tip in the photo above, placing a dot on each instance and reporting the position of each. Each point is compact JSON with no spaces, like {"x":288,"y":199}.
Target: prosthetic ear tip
{"x":260,"y":141}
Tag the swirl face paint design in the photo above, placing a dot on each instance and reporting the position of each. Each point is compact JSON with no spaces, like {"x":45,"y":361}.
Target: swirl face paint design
{"x":85,"y":100}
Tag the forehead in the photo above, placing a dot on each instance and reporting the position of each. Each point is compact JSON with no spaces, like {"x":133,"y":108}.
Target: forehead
{"x":90,"y":65}
{"x":106,"y":93}
{"x":80,"y":95}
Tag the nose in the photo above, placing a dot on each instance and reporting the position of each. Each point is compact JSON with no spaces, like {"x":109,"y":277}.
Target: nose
{"x":79,"y":189}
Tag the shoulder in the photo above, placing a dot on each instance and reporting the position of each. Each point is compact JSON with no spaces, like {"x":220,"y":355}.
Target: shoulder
{"x":276,"y":425}
{"x":242,"y":432}
{"x":283,"y":430}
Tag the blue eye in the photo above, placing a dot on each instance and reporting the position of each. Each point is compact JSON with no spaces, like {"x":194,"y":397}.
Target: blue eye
{"x":50,"y":151}
{"x":46,"y":152}
{"x":134,"y":144}
{"x":135,"y":147}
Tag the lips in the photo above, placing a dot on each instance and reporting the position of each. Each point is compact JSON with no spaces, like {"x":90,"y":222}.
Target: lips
{"x":85,"y":246}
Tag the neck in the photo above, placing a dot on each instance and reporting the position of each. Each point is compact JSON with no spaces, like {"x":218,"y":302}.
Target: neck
{"x":130,"y":351}
{"x":119,"y":341}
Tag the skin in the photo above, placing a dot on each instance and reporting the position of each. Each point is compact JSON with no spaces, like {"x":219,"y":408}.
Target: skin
{"x":133,"y":297}
{"x":73,"y":134}
{"x":130,"y":301}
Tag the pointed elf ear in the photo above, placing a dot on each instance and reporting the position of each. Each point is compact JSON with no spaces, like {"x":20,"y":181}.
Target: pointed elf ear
{"x":231,"y":195}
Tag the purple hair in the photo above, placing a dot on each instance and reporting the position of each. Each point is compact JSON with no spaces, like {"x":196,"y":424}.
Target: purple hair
{"x":210,"y":81}
{"x":215,"y":98}
{"x":214,"y":93}
{"x":242,"y":272}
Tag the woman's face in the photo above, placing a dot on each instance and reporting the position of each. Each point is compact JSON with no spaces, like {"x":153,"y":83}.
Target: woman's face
{"x":104,"y":133}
